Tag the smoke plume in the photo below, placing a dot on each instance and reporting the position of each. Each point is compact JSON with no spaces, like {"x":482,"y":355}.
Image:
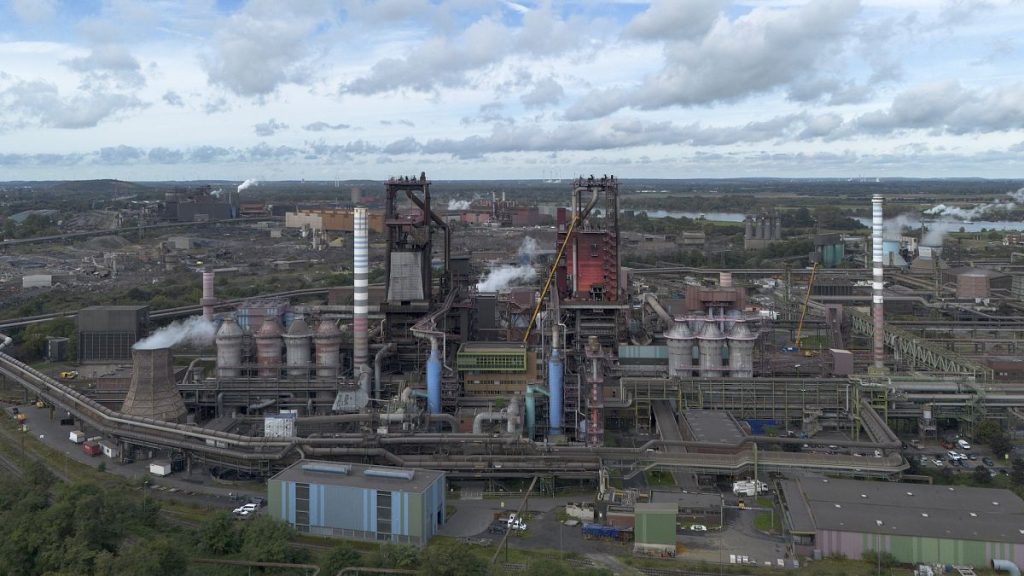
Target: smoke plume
{"x":893,"y":227}
{"x":216,"y":193}
{"x":936,"y":232}
{"x":1016,"y":199}
{"x":527,"y":250}
{"x":195,"y":330}
{"x":502,"y":277}
{"x":247,"y":184}
{"x":458,"y":204}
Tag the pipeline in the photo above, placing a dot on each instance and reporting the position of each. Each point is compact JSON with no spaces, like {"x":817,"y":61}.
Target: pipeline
{"x":652,"y":301}
{"x":531,"y":409}
{"x":478,"y":421}
{"x":1005,"y":566}
{"x":377,"y":358}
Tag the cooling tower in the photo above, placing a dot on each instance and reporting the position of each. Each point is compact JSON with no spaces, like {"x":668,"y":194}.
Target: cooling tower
{"x":741,"y":351}
{"x":153,"y":393}
{"x":680,"y":349}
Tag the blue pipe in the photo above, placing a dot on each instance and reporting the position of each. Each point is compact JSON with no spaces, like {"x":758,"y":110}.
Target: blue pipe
{"x":555,"y":392}
{"x":434,"y":380}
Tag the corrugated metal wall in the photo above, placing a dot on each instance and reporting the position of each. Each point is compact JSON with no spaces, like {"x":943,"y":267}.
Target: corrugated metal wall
{"x":912,"y":549}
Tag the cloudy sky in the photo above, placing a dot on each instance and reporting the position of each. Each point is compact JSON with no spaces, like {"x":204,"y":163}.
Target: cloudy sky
{"x":340,"y":89}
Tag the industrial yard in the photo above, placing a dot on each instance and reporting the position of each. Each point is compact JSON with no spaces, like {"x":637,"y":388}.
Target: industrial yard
{"x":404,"y":368}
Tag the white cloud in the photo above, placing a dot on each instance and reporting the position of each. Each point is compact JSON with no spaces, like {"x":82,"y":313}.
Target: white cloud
{"x":41,"y":101}
{"x":34,"y":11}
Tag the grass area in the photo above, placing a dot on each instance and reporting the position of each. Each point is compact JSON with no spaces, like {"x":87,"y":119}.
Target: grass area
{"x":814,"y":342}
{"x":767,"y":521}
{"x":657,"y":478}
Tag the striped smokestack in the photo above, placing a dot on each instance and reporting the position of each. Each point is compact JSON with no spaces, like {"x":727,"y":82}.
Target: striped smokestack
{"x":209,"y":299}
{"x":360,"y":265}
{"x":877,"y":281}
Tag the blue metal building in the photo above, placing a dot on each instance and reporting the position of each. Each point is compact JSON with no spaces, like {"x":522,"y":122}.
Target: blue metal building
{"x":359,"y":502}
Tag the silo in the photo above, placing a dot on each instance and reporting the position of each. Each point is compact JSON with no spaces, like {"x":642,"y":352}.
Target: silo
{"x":710,"y":342}
{"x":229,"y":349}
{"x":680,"y":349}
{"x":741,"y":351}
{"x":268,"y":348}
{"x":434,"y":379}
{"x":153,"y":392}
{"x":296,"y":343}
{"x":327,"y":341}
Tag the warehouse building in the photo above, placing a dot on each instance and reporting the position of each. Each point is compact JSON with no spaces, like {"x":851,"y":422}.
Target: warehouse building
{"x":107,"y":333}
{"x":916,"y":523}
{"x":655,"y":528}
{"x":358,"y":502}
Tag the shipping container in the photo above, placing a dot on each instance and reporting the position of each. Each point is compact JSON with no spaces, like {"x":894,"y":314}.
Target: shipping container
{"x":160,"y":468}
{"x":91,"y":448}
{"x":77,"y":436}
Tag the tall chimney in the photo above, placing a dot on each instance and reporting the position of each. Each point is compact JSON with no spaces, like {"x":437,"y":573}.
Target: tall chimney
{"x":878,"y":310}
{"x":152,"y":392}
{"x":209,"y":299}
{"x":360,"y":310}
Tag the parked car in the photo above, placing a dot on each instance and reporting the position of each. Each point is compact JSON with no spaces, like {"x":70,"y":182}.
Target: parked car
{"x":972,"y":456}
{"x":698,"y":528}
{"x":963,"y":444}
{"x":988,"y":462}
{"x":937,"y":462}
{"x":245,"y":509}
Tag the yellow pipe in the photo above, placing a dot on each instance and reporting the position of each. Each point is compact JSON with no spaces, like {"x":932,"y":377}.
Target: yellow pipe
{"x":551,"y":274}
{"x":803,"y":311}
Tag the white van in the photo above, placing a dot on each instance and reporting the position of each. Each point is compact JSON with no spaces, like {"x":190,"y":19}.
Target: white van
{"x":963,"y":444}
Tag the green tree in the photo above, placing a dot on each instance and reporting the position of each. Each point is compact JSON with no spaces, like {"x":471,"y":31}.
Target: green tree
{"x":981,"y":475}
{"x":879,"y":558}
{"x":219,"y":535}
{"x":451,"y":560}
{"x":341,"y":556}
{"x":987,"y":430}
{"x":1001,"y":444}
{"x":1017,"y":471}
{"x":266,"y":540}
{"x":150,"y":556}
{"x":391,"y":555}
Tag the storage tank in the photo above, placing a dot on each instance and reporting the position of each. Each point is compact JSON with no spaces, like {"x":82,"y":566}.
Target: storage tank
{"x":296,"y":343}
{"x":229,"y":349}
{"x":327,"y":341}
{"x":680,"y":349}
{"x":710,"y":342}
{"x":268,"y":348}
{"x":555,"y":375}
{"x":741,"y":351}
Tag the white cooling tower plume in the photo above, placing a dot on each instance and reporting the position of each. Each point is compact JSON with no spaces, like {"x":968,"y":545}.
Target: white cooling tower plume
{"x":361,"y":269}
{"x":877,"y":283}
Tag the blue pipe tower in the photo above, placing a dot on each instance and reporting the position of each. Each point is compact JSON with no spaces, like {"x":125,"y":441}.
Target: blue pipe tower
{"x":434,"y":379}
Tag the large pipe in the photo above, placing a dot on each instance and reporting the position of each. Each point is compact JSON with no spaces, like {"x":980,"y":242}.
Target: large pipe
{"x":531,"y":410}
{"x":434,"y":379}
{"x":478,"y":421}
{"x":877,"y":282}
{"x":360,"y":299}
{"x":1005,"y":566}
{"x":208,"y":300}
{"x":377,"y":358}
{"x":555,"y":373}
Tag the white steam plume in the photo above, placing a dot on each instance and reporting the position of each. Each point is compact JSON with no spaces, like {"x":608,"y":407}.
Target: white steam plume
{"x":194,"y":330}
{"x":247,"y":184}
{"x":894,"y":226}
{"x":502,"y":277}
{"x":216,"y":193}
{"x":527,"y":250}
{"x":458,"y":204}
{"x":936,"y":232}
{"x":1016,"y":199}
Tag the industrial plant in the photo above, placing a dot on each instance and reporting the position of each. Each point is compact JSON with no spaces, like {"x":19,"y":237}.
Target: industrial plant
{"x":572,"y":370}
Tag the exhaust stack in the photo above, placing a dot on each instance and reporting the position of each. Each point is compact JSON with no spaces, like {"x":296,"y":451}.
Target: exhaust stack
{"x":209,"y":300}
{"x":152,"y":392}
{"x":878,"y":310}
{"x":361,"y":270}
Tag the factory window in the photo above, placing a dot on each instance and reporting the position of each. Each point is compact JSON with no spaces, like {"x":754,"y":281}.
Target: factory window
{"x":302,"y":507}
{"x":593,"y":250}
{"x":383,"y":515}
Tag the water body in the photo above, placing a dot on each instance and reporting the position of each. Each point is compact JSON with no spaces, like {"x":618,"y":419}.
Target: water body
{"x":913,"y":221}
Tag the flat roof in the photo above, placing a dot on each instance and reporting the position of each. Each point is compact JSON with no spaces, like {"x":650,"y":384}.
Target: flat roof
{"x":656,"y":508}
{"x":331,"y":473}
{"x":688,"y":500}
{"x":712,"y":426}
{"x":953,"y":512}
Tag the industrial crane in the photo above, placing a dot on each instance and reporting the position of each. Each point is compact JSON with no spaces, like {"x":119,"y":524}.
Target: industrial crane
{"x":803,"y":309}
